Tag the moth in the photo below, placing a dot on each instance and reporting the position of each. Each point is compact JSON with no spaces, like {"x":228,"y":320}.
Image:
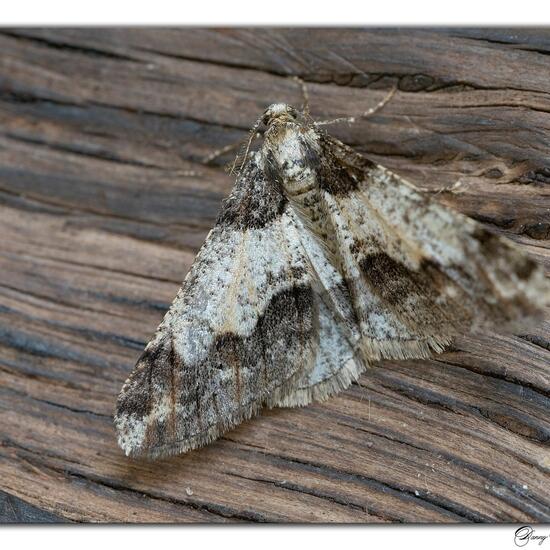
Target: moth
{"x":320,"y":263}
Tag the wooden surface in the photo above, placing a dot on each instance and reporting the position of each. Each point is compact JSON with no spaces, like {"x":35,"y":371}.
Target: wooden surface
{"x":104,"y":201}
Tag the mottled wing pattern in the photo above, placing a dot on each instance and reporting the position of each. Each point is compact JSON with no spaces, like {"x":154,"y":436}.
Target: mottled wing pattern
{"x":336,"y":362}
{"x":418,"y":272}
{"x":240,"y":332}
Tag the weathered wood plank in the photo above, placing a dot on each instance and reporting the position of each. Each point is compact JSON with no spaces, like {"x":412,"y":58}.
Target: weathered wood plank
{"x":104,"y":200}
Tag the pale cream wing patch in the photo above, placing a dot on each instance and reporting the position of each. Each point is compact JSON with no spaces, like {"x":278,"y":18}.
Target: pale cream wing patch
{"x":239,"y":333}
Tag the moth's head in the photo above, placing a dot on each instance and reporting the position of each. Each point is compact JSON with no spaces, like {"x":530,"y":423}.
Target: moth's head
{"x":280,"y":112}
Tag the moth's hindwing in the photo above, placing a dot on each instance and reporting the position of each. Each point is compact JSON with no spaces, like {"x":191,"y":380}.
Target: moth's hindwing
{"x":337,"y":362}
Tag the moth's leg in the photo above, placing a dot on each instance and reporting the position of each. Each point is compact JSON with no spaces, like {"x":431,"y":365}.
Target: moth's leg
{"x":366,"y":114}
{"x":220,"y":152}
{"x":456,"y":188}
{"x":305,"y":95}
{"x":241,"y":156}
{"x":227,"y":149}
{"x":189,"y":173}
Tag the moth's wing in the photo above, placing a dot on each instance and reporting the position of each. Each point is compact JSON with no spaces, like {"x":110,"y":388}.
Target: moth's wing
{"x":336,"y":363}
{"x":418,"y":272}
{"x":239,"y":333}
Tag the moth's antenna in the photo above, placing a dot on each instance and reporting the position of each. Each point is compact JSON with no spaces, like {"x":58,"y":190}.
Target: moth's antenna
{"x":219,"y":152}
{"x":305,"y":95}
{"x":253,"y":133}
{"x":366,"y":114}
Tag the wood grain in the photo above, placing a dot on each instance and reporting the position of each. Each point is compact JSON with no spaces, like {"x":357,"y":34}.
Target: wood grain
{"x":104,"y":201}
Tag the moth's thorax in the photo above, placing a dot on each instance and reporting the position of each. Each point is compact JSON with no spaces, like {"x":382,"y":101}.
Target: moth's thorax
{"x":289,"y":147}
{"x":292,"y":151}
